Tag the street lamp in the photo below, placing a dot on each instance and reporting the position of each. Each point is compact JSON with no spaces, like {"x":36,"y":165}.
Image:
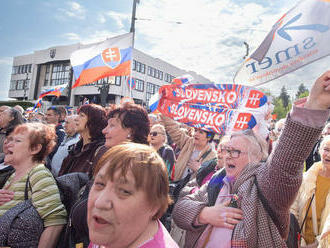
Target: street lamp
{"x":25,"y":86}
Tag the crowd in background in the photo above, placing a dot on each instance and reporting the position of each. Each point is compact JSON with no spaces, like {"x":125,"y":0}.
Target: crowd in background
{"x":150,"y":181}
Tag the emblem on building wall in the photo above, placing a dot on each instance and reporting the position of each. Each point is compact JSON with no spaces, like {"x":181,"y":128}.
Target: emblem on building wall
{"x":52,"y":53}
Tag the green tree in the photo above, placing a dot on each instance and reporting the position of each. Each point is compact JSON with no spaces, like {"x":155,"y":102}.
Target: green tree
{"x":302,"y":91}
{"x":284,"y":96}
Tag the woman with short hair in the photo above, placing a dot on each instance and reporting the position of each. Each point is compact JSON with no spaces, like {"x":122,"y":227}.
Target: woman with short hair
{"x":158,"y":140}
{"x":90,"y":122}
{"x":129,"y":195}
{"x":26,"y":151}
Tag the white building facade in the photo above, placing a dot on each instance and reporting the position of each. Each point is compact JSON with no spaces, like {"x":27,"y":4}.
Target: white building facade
{"x":45,"y":69}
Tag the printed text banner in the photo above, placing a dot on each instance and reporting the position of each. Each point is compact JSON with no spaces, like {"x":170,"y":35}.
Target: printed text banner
{"x":300,"y":37}
{"x":217,"y":108}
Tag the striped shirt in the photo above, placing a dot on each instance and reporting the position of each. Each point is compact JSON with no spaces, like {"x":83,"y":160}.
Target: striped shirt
{"x":45,"y":195}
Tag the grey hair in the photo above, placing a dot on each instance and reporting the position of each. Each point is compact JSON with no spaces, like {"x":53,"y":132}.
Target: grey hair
{"x":326,"y":127}
{"x":259,"y":143}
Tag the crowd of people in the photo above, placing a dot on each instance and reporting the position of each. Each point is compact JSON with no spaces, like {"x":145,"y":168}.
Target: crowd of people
{"x":153,"y":182}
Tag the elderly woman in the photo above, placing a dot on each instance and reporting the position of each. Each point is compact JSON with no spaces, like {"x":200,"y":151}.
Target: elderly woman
{"x":127,"y":122}
{"x":30,"y":145}
{"x":193,"y":150}
{"x":315,"y":190}
{"x":235,"y":211}
{"x":90,"y":122}
{"x":158,"y":140}
{"x":9,"y":119}
{"x":129,"y":195}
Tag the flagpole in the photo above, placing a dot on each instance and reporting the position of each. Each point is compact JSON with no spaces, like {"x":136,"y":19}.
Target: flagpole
{"x":132,"y":30}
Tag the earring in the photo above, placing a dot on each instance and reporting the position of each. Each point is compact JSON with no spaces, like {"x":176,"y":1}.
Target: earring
{"x":128,"y":136}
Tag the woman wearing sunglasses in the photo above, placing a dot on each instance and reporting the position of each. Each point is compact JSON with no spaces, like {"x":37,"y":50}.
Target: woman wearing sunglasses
{"x":158,"y":140}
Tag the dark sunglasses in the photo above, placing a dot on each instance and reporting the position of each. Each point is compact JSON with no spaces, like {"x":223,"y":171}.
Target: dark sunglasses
{"x":154,"y":133}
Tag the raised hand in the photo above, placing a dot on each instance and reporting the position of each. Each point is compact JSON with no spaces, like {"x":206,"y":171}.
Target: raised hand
{"x":319,"y":97}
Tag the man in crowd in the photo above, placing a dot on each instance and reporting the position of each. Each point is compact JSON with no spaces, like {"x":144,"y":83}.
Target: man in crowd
{"x":53,"y":115}
{"x":71,"y":138}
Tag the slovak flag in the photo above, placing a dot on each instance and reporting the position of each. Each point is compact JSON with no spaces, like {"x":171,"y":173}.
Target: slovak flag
{"x":37,"y":105}
{"x":57,"y":91}
{"x":111,"y":57}
{"x":184,"y":79}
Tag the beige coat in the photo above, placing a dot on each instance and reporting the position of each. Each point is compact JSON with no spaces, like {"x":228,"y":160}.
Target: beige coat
{"x":186,"y":144}
{"x":300,"y":206}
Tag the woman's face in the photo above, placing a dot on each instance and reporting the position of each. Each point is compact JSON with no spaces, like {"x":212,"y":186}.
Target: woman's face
{"x":200,"y":138}
{"x":5,"y":118}
{"x":114,"y":132}
{"x":18,"y":149}
{"x":325,"y":155}
{"x":157,"y":136}
{"x":81,"y":122}
{"x":118,"y":213}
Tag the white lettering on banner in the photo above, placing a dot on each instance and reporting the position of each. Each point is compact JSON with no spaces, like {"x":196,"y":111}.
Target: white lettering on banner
{"x":218,"y":96}
{"x":231,"y":97}
{"x":219,"y":120}
{"x":198,"y":115}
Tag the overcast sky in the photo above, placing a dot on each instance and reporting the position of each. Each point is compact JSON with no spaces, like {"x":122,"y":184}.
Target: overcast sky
{"x":205,"y":36}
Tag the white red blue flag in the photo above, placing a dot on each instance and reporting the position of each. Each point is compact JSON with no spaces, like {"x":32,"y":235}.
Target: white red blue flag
{"x":111,"y":57}
{"x":298,"y":38}
{"x":56,"y":91}
{"x":219,"y":108}
{"x":184,"y":79}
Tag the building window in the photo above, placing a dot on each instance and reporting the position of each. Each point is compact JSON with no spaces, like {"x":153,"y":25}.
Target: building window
{"x":30,"y":68}
{"x":20,"y":84}
{"x":149,"y":71}
{"x":13,"y":85}
{"x":143,"y":68}
{"x":150,"y":88}
{"x":118,"y":81}
{"x":139,"y":85}
{"x":26,"y":83}
{"x":46,"y":83}
{"x":61,"y":74}
{"x":168,"y":77}
{"x":14,"y":70}
{"x":160,"y":75}
{"x":134,"y":65}
{"x":139,"y":67}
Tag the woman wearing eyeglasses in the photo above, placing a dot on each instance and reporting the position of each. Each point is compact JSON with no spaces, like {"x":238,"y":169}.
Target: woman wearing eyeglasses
{"x":250,"y":206}
{"x":158,"y":140}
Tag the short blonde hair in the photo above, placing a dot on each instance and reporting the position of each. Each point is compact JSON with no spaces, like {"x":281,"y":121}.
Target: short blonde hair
{"x":147,"y":167}
{"x":162,"y":128}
